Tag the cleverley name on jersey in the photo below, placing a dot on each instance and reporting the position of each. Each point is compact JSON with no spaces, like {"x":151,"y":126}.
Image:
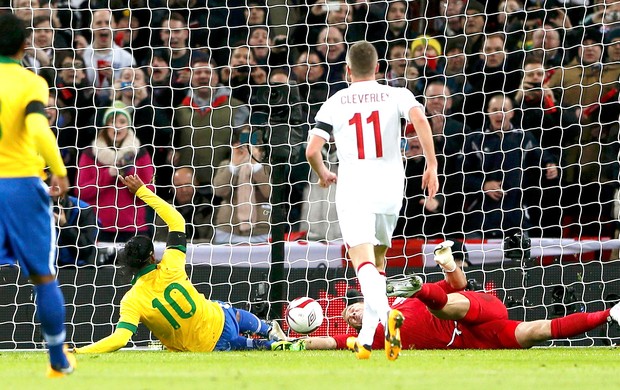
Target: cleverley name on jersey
{"x":364,"y":98}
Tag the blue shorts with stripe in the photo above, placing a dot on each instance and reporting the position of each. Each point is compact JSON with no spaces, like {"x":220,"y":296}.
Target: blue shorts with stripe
{"x":26,"y":226}
{"x":231,"y":328}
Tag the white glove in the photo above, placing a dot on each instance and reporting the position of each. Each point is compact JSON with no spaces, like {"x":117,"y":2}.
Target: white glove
{"x":443,"y":256}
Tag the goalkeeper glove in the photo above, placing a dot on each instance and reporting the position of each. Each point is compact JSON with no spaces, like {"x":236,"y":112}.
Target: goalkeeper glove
{"x":443,"y":256}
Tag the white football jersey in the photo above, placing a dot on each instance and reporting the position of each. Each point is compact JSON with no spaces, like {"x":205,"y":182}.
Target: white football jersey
{"x":365,"y":120}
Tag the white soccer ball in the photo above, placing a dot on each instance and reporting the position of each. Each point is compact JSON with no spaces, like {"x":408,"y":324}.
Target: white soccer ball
{"x":304,"y":315}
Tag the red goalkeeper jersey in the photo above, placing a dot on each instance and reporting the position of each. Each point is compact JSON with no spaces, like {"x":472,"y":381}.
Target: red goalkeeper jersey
{"x":486,"y":328}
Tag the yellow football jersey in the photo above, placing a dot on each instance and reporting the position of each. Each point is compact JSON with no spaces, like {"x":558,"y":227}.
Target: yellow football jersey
{"x":163,"y":298}
{"x":21,"y":149}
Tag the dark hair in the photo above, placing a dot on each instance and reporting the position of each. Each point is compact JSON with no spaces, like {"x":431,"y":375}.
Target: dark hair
{"x":136,"y":254}
{"x":533,"y":57}
{"x":40,"y":19}
{"x":13,"y":33}
{"x":176,"y":16}
{"x":362,"y":58}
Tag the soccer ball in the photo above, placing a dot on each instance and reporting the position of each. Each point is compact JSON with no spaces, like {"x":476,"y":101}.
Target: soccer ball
{"x":304,"y":315}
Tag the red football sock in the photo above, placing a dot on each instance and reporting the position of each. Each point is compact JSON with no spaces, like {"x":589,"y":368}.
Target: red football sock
{"x":433,"y":296}
{"x":578,"y":323}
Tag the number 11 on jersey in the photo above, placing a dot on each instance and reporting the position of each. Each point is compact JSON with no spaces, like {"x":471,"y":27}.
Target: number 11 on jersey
{"x":359,"y":132}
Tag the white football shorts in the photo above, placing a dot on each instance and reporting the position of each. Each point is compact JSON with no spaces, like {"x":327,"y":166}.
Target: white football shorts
{"x":367,"y":228}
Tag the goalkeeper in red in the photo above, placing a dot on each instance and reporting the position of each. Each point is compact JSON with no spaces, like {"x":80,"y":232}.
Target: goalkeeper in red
{"x":163,"y":298}
{"x":443,"y":316}
{"x":365,"y":122}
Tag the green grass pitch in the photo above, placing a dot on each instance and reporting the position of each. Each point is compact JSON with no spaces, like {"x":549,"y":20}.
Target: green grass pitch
{"x":539,"y":369}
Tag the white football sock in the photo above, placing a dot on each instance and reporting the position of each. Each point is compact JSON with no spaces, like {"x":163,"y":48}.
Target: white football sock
{"x":370,"y":320}
{"x":372,"y":284}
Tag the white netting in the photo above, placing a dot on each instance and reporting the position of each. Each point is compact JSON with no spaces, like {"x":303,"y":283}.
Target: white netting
{"x":195,"y":79}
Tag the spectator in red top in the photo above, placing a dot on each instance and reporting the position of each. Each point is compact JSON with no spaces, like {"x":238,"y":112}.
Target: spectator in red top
{"x":115,"y":152}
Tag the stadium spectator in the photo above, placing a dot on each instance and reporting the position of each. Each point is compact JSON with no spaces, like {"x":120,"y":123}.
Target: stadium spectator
{"x":398,"y":60}
{"x":160,"y":79}
{"x":425,"y":52}
{"x":395,"y":27}
{"x":613,"y":46}
{"x":243,"y":184}
{"x":547,"y":41}
{"x":369,"y":234}
{"x":258,"y":40}
{"x":133,"y":36}
{"x":331,"y":46}
{"x":76,"y":98}
{"x":151,"y":123}
{"x":310,"y":72}
{"x":103,"y":58}
{"x":203,"y":126}
{"x":318,"y":213}
{"x":46,"y":42}
{"x":494,"y":72}
{"x":26,"y":146}
{"x":237,"y":75}
{"x":496,"y":162}
{"x":453,"y":70}
{"x":265,"y":50}
{"x":443,"y":316}
{"x":115,"y":152}
{"x":208,"y":326}
{"x":606,"y":13}
{"x":475,"y":20}
{"x":174,"y":35}
{"x":541,"y":116}
{"x":443,"y":215}
{"x":76,"y":229}
{"x":588,"y":92}
{"x":451,"y":20}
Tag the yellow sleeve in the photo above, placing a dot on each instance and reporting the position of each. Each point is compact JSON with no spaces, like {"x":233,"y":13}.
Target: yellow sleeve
{"x":169,"y":214}
{"x":113,"y":342}
{"x":37,"y":125}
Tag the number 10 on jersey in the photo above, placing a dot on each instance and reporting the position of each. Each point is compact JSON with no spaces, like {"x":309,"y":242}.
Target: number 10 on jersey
{"x":359,"y":132}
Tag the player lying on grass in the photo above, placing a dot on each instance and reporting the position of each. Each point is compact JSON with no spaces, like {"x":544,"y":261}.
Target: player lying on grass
{"x":163,"y":298}
{"x":443,"y":316}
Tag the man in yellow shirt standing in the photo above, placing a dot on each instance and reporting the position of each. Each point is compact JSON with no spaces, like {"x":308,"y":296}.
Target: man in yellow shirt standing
{"x":163,"y":298}
{"x":27,"y":145}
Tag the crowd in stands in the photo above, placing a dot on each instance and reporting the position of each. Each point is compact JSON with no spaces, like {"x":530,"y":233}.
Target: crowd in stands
{"x":522,"y":97}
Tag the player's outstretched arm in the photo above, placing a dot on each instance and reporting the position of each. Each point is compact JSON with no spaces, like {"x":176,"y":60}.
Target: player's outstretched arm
{"x":320,"y":343}
{"x":113,"y":342}
{"x":169,"y":214}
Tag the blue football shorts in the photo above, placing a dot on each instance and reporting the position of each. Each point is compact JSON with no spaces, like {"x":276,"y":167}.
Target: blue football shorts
{"x":26,"y":226}
{"x":231,"y":328}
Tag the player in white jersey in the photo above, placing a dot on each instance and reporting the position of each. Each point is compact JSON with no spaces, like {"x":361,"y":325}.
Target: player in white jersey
{"x":365,"y":121}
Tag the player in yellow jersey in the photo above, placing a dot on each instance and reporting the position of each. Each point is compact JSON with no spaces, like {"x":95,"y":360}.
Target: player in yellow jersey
{"x":163,"y":298}
{"x":27,"y":145}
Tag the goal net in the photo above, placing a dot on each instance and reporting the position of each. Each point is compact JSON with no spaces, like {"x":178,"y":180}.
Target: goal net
{"x":210,"y":102}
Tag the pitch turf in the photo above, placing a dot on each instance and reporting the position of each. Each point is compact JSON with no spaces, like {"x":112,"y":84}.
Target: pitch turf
{"x":544,"y":368}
